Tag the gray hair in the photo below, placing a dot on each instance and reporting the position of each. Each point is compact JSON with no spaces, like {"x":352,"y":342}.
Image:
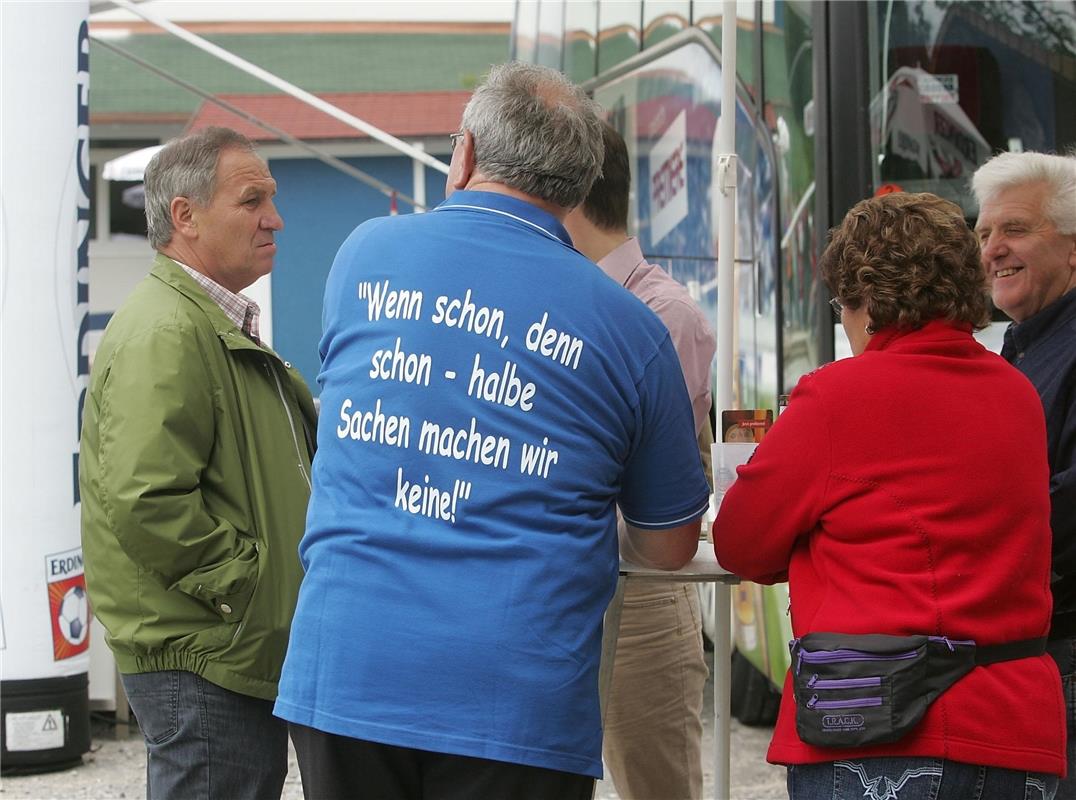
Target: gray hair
{"x":185,"y":167}
{"x":1007,"y":170}
{"x":536,"y":132}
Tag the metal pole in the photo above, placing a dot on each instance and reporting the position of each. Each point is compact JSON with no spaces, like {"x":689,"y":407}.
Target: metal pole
{"x":281,"y":134}
{"x":722,"y":688}
{"x":726,"y":180}
{"x":726,"y":266}
{"x":418,"y":179}
{"x":286,"y":87}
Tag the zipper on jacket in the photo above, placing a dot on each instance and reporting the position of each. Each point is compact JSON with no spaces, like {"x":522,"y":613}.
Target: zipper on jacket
{"x":291,"y":421}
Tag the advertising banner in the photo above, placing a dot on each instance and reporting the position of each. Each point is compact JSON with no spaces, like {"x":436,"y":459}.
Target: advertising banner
{"x":668,"y":180}
{"x":44,"y":318}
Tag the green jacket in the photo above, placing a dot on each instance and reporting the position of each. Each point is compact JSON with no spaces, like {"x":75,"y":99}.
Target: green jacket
{"x":195,"y":475}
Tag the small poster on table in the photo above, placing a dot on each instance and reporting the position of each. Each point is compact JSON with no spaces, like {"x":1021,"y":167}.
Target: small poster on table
{"x":746,"y":426}
{"x":741,"y":431}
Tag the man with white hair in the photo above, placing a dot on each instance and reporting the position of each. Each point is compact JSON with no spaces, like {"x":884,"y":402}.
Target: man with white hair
{"x":1027,"y":230}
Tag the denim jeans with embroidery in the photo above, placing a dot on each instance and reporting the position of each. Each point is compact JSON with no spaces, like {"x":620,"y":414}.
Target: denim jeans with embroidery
{"x":204,"y":742}
{"x":915,"y":779}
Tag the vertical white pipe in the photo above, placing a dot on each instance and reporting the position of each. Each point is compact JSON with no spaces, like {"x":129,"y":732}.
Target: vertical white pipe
{"x":722,"y":688}
{"x":726,"y":306}
{"x":418,"y":179}
{"x":726,"y":244}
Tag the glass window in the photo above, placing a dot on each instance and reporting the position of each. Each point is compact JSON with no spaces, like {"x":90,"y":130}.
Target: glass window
{"x":618,"y":32}
{"x":957,"y":82}
{"x":550,"y":33}
{"x":667,"y":110}
{"x":663,"y":18}
{"x":525,"y":31}
{"x":580,"y":39}
{"x":707,"y":16}
{"x":789,"y":81}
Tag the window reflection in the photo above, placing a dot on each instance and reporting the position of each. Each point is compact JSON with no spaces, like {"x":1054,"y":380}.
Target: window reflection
{"x":550,"y":33}
{"x":580,"y":39}
{"x":668,"y":110}
{"x":525,"y":39}
{"x":960,"y":81}
{"x":789,"y":82}
{"x":707,"y":16}
{"x":663,"y":18}
{"x":618,"y":33}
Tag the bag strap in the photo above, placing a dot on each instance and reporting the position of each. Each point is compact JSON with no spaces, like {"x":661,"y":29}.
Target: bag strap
{"x":1010,"y":651}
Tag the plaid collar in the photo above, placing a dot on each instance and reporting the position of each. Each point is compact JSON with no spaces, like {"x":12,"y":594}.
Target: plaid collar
{"x":239,"y":308}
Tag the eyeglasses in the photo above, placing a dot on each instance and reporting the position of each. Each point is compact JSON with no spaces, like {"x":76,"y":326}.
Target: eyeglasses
{"x":836,"y":304}
{"x":455,"y":138}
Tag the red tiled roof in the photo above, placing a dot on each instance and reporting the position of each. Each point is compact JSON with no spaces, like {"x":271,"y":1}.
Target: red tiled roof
{"x":402,"y":114}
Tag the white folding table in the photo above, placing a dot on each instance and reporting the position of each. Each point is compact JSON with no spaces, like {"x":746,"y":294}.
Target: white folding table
{"x":703,"y":568}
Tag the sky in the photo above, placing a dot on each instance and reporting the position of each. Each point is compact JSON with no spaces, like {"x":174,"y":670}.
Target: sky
{"x":358,"y":10}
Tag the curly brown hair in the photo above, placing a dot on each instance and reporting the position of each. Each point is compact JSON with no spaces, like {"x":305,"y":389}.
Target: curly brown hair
{"x":911,"y":258}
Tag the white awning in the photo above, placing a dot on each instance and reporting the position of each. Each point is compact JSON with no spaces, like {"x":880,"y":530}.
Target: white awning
{"x":129,"y":166}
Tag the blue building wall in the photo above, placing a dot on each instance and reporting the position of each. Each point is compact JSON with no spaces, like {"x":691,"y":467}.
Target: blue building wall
{"x":321,"y":206}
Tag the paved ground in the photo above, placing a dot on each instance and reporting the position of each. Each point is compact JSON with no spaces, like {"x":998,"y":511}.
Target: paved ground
{"x":115,"y":768}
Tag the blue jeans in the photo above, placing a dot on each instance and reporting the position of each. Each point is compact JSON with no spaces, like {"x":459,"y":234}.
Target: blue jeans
{"x":915,"y":779}
{"x":204,"y":742}
{"x":1064,"y":653}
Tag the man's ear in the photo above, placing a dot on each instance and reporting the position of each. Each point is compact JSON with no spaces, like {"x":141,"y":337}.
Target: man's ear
{"x":465,"y":164}
{"x":183,"y":221}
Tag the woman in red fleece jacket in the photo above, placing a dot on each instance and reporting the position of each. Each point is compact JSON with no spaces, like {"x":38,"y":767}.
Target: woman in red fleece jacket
{"x":905,"y":491}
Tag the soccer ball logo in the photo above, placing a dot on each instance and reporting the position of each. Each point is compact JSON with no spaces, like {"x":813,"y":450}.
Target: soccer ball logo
{"x":73,"y":615}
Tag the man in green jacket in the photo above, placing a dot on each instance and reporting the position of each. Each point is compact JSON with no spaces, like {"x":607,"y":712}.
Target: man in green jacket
{"x":195,"y":474}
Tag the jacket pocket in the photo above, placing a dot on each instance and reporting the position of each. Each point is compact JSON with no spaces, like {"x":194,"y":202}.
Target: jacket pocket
{"x":226,"y":587}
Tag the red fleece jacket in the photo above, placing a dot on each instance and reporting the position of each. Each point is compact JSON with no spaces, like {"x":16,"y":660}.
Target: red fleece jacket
{"x":905,"y":491}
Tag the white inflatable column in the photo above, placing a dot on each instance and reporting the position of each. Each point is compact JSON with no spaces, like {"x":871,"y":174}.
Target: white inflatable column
{"x":44,"y":321}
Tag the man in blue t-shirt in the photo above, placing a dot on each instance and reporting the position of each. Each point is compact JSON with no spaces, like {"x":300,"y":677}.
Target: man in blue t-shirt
{"x":488,"y":398}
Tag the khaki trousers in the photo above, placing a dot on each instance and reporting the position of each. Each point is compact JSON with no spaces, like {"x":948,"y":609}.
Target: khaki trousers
{"x":653,"y":722}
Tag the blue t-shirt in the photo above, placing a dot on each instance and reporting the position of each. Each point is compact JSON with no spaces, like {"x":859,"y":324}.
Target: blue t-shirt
{"x":488,"y":397}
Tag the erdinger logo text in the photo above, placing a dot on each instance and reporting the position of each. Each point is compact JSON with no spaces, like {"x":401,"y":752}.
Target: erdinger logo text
{"x":82,"y":264}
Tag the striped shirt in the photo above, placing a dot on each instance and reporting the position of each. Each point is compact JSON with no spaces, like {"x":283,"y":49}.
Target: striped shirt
{"x":239,"y":308}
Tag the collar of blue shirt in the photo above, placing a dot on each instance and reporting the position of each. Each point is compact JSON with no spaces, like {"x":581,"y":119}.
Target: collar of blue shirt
{"x":519,"y":210}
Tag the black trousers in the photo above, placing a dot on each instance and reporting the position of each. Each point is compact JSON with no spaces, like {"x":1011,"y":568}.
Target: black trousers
{"x":340,"y":768}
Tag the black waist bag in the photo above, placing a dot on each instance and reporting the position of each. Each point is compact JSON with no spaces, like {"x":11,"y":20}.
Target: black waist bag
{"x":871,"y":689}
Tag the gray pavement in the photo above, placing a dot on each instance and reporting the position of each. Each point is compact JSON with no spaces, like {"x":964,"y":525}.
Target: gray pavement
{"x":115,"y":768}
